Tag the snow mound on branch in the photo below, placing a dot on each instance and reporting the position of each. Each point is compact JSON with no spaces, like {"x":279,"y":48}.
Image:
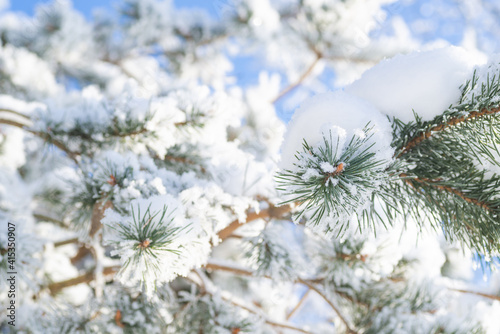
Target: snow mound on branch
{"x":425,"y":82}
{"x":338,"y":111}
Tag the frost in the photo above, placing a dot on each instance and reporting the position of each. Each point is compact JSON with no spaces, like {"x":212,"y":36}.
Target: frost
{"x":27,"y":71}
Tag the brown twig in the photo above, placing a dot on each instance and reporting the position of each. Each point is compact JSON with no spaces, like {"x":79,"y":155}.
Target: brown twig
{"x":299,"y":81}
{"x":15,"y":113}
{"x":449,"y":189}
{"x":42,"y":217}
{"x":13,"y":123}
{"x":308,"y":283}
{"x":241,"y":272}
{"x":82,"y":252}
{"x":44,"y":136}
{"x":485,"y":295}
{"x":66,"y":242}
{"x":299,"y":304}
{"x":335,"y":309}
{"x":267,"y":321}
{"x":131,"y":134}
{"x":85,"y":278}
{"x":97,"y":215}
{"x":452,"y":122}
{"x":271,"y":212}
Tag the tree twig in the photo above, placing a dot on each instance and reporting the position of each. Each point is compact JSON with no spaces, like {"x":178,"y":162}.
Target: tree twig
{"x":485,"y":295}
{"x":299,"y":304}
{"x":204,"y":286}
{"x":269,"y":322}
{"x":44,"y":136}
{"x":335,"y":309}
{"x":299,"y":81}
{"x":85,"y":278}
{"x":308,"y":283}
{"x":15,"y":113}
{"x":66,"y":242}
{"x":42,"y":217}
{"x":271,"y":212}
{"x":449,"y":189}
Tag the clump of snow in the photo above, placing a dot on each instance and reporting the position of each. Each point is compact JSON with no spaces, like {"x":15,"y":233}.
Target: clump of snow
{"x":27,"y":71}
{"x":346,"y":114}
{"x":8,"y":102}
{"x":12,"y":154}
{"x":425,"y":82}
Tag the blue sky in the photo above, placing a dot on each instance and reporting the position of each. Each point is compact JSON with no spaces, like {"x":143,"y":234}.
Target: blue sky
{"x":87,"y":6}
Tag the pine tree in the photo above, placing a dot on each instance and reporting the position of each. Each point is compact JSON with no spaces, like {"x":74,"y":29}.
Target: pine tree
{"x":144,"y":190}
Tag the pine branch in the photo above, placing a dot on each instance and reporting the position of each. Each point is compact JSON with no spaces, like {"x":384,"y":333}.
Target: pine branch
{"x":449,"y":189}
{"x":131,"y":134}
{"x":450,"y":123}
{"x":44,"y":136}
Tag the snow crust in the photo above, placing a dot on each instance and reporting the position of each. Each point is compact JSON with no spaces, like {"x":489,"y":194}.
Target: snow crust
{"x":425,"y":82}
{"x":344,"y":113}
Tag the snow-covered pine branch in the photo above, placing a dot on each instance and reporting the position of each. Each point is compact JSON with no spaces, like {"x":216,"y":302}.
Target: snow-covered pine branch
{"x":139,"y":169}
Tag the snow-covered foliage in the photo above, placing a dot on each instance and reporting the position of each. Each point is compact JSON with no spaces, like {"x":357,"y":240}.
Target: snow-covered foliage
{"x":154,"y":189}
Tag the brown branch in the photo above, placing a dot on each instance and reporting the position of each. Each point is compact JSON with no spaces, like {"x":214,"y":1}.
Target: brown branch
{"x":452,"y":122}
{"x":85,"y":278}
{"x":59,"y":144}
{"x":82,"y":252}
{"x":183,"y":160}
{"x":44,"y":136}
{"x":304,"y":75}
{"x":130,"y":134}
{"x":322,"y":295}
{"x":449,"y":189}
{"x":66,"y":242}
{"x":308,"y":283}
{"x":267,"y":321}
{"x":272,"y":212}
{"x":299,"y":304}
{"x":234,"y":270}
{"x":13,"y":123}
{"x":15,"y":113}
{"x":97,"y":215}
{"x":242,"y":272}
{"x":42,"y":217}
{"x":485,"y":295}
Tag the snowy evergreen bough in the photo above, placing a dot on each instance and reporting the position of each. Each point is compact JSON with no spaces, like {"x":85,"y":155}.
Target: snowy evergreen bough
{"x":153,"y":189}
